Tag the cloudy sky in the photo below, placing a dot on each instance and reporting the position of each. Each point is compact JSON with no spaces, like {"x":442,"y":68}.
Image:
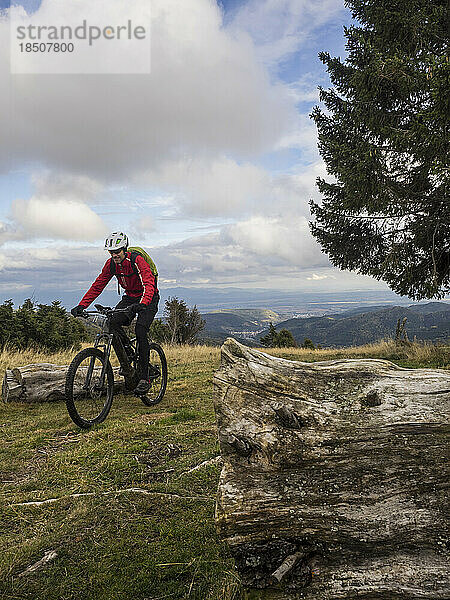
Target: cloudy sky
{"x":208,"y":161}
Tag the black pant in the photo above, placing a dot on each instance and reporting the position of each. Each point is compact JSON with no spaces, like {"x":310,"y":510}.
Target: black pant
{"x":144,"y":320}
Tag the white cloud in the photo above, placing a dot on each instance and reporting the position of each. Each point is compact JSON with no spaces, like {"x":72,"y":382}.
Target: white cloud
{"x":305,"y":87}
{"x":77,"y":188}
{"x":303,"y":136}
{"x":316,"y":277}
{"x":207,"y":94}
{"x":212,"y":187}
{"x":253,"y":251}
{"x":144,"y":225}
{"x":224,"y":188}
{"x":280,"y":27}
{"x":288,"y":240}
{"x":57,"y":209}
{"x":7,"y":233}
{"x":60,"y":219}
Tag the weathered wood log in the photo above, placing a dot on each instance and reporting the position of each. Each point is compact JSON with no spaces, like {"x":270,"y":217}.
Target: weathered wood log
{"x":41,"y":382}
{"x":334,"y":482}
{"x":11,"y":389}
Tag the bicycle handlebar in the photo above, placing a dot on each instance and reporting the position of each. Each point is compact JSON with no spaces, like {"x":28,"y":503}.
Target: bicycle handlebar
{"x":103,"y":310}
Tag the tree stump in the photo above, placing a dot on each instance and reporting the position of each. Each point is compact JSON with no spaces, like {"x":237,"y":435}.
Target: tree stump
{"x":334,"y":482}
{"x":41,"y":382}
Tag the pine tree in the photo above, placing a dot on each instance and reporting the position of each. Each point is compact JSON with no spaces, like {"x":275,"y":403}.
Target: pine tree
{"x":285,"y":339}
{"x":278,"y":339}
{"x":269,"y":339}
{"x":385,"y":142}
{"x":159,"y":331}
{"x":308,"y":344}
{"x":25,"y":332}
{"x":6,"y":323}
{"x":183,"y":324}
{"x":42,"y":326}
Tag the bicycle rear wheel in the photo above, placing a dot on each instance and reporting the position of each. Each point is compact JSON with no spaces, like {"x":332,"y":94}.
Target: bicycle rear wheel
{"x":157,"y":376}
{"x":88,"y":400}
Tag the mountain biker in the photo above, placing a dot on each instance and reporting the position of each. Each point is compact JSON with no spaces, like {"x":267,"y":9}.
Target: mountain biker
{"x":141,"y":297}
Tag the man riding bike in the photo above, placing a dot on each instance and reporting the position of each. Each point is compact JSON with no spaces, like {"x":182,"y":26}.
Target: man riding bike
{"x":141,"y":297}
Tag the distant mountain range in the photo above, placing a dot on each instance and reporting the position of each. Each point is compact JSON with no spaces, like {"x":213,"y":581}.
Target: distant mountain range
{"x":353,"y":327}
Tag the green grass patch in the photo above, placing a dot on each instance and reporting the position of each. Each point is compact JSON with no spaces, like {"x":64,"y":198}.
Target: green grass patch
{"x":113,"y":544}
{"x":180,"y":416}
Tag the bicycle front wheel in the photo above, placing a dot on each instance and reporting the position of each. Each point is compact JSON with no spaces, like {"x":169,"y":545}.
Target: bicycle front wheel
{"x":157,"y":376}
{"x":88,"y":397}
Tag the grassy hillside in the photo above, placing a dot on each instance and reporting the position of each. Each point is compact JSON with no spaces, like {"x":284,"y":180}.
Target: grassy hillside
{"x":261,"y":315}
{"x":122,"y":506}
{"x":237,"y":323}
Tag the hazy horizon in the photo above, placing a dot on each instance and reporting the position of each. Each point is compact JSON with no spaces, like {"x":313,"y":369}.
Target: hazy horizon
{"x":214,"y":298}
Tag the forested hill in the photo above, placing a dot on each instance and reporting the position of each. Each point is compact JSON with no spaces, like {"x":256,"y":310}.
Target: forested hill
{"x":242,"y":324}
{"x":356,"y":326}
{"x":352,"y":328}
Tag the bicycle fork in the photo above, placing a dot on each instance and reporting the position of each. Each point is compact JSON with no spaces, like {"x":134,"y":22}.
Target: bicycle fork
{"x":103,"y":341}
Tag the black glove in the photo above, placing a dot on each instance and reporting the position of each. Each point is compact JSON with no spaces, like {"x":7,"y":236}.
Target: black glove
{"x":131,"y":311}
{"x":135,"y":308}
{"x":77,"y":311}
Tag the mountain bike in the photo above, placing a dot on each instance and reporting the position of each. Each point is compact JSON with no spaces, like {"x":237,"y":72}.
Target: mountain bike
{"x":89,"y":385}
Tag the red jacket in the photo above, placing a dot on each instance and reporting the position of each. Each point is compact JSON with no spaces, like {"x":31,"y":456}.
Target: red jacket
{"x":143,"y":284}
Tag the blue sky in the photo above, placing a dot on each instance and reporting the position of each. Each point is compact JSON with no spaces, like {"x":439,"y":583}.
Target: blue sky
{"x":29,"y":5}
{"x":209,"y":161}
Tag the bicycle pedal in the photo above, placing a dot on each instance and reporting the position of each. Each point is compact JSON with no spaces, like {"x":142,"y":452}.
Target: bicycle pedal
{"x":142,"y":388}
{"x":148,"y":401}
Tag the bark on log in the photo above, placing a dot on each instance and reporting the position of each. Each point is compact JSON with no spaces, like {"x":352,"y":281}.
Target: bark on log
{"x":41,"y":382}
{"x":334,"y":482}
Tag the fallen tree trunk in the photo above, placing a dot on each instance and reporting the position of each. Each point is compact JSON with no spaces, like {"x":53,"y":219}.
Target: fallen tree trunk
{"x":334,"y":479}
{"x":41,"y":382}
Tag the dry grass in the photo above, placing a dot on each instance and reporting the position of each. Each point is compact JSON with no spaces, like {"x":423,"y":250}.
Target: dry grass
{"x":10,"y":358}
{"x":420,"y":353}
{"x":189,"y":354}
{"x":416,"y":353}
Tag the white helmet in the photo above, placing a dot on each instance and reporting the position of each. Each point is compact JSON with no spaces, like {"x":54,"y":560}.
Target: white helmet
{"x":116,"y":241}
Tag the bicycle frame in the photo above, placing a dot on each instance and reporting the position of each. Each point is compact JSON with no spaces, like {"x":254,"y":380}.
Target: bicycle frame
{"x":103,"y":341}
